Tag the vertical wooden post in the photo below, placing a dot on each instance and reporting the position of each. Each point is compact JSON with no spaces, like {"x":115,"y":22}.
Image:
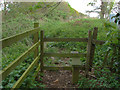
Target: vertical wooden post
{"x":93,"y":47}
{"x":76,"y":63}
{"x":75,"y":74}
{"x":41,"y":49}
{"x":36,"y":39}
{"x":88,"y":52}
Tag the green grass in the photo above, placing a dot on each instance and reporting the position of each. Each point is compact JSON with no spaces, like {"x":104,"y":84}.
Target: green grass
{"x":52,"y":28}
{"x":75,"y":29}
{"x":55,"y":24}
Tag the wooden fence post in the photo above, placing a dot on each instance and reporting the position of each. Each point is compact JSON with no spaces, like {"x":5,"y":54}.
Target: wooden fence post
{"x":93,"y":47}
{"x":41,"y":49}
{"x":88,"y":52}
{"x":36,"y":39}
{"x":76,"y":63}
{"x":36,"y":52}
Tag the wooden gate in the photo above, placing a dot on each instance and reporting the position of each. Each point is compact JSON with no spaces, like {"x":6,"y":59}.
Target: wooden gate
{"x":91,"y":41}
{"x":76,"y":64}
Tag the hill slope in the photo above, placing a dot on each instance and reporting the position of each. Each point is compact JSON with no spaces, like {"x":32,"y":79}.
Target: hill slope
{"x":22,"y":15}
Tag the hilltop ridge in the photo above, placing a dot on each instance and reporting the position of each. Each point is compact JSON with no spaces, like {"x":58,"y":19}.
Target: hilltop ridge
{"x":38,"y":10}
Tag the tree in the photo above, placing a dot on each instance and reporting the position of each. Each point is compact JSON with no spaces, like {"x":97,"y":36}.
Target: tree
{"x":117,"y":21}
{"x":103,"y":10}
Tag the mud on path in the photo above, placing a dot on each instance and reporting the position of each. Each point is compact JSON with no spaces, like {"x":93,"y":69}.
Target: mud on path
{"x":58,"y":79}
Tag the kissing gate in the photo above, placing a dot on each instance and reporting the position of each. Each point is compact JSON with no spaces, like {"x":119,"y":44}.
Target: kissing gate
{"x":76,"y":63}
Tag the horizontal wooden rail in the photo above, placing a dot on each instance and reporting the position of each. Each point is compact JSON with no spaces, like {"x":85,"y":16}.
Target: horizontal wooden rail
{"x":17,"y":61}
{"x":65,"y":39}
{"x":10,"y":40}
{"x":64,"y":55}
{"x":57,"y":68}
{"x":61,"y":68}
{"x":100,"y":42}
{"x":24,"y":75}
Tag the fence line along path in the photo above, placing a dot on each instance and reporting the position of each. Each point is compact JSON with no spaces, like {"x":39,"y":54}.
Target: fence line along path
{"x":39,"y":56}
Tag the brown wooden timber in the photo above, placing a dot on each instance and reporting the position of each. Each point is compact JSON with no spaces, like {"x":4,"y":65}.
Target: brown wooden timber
{"x":65,"y":55}
{"x":17,"y":61}
{"x":36,"y":39}
{"x":75,"y":74}
{"x":76,"y":63}
{"x":88,"y":52}
{"x":10,"y":40}
{"x":99,"y":42}
{"x":57,"y":68}
{"x":65,"y":39}
{"x":93,"y":47}
{"x":41,"y":49}
{"x":62,"y":67}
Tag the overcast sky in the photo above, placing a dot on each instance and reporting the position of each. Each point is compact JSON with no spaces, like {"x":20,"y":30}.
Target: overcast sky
{"x":81,"y":6}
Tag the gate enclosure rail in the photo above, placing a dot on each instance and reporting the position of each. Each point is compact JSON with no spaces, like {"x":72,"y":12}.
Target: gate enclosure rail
{"x":38,"y":56}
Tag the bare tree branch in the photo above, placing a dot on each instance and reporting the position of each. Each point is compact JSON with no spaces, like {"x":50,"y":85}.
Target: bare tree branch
{"x":57,"y":4}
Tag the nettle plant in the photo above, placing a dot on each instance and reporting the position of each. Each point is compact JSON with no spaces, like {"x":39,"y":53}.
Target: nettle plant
{"x":112,"y":41}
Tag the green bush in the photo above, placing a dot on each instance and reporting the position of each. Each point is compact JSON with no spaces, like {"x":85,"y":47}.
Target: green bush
{"x":105,"y":79}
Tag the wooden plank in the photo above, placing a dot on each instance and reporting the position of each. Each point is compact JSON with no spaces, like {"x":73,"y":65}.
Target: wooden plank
{"x":57,"y":68}
{"x":10,"y":40}
{"x":65,"y":55}
{"x":93,"y":47}
{"x":17,"y":61}
{"x":65,"y":39}
{"x":41,"y":50}
{"x":88,"y":52}
{"x":24,"y":75}
{"x":76,"y":62}
{"x":36,"y":39}
{"x":62,"y":67}
{"x":75,"y":74}
{"x":99,"y":42}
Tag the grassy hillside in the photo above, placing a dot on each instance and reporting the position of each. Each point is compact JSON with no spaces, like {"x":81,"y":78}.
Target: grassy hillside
{"x":23,"y":15}
{"x":55,"y":23}
{"x":20,"y":18}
